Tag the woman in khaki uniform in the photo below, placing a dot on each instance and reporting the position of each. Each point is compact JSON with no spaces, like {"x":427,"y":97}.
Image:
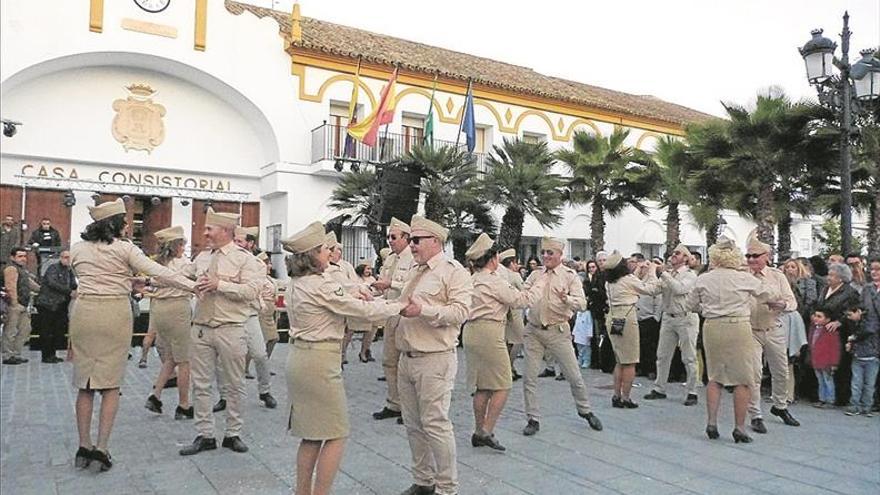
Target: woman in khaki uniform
{"x":268,"y":294}
{"x":624,"y":289}
{"x":101,"y":321}
{"x":724,"y":296}
{"x":171,"y":320}
{"x":317,"y":306}
{"x":489,"y":377}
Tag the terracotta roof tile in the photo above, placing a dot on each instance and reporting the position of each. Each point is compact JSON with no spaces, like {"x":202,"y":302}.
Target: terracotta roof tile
{"x":381,"y":49}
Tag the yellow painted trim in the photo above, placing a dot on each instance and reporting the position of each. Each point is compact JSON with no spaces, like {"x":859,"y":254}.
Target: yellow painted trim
{"x":542,"y":116}
{"x":456,"y":119}
{"x":329,"y":62}
{"x":299,"y":71}
{"x":438,"y":109}
{"x":645,"y":136}
{"x":201,"y":27}
{"x":576,"y":122}
{"x":96,"y":16}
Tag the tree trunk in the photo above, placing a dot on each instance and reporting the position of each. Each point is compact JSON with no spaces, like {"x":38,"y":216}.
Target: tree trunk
{"x":433,"y":208}
{"x":376,"y":235}
{"x":673,"y":227}
{"x":784,"y":246}
{"x":511,"y":229}
{"x":597,"y":225}
{"x":874,"y":227}
{"x":765,"y":219}
{"x":459,"y":247}
{"x":712,"y":233}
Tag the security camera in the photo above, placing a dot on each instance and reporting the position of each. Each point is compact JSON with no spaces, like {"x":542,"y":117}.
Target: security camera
{"x":126,"y":198}
{"x":338,"y":165}
{"x":155,"y":201}
{"x":69,"y":200}
{"x":184,"y":202}
{"x":10,"y":127}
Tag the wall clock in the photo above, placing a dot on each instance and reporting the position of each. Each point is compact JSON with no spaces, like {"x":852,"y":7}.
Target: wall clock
{"x":153,"y":6}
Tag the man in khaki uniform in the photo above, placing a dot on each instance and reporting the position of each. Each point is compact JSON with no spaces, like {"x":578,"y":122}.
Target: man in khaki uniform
{"x":678,"y":326}
{"x":516,"y":328}
{"x":547,"y":331}
{"x":391,"y":279}
{"x":770,"y":338}
{"x":228,"y":280}
{"x":440,"y":291}
{"x":19,"y":285}
{"x":343,"y":272}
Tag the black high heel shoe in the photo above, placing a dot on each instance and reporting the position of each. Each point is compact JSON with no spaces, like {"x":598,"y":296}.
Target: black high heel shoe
{"x":103,"y":458}
{"x":712,"y":432}
{"x":363,"y":358}
{"x":83,"y":457}
{"x":739,"y":436}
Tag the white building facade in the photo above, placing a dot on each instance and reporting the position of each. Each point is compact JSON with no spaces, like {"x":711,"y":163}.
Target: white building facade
{"x":242,"y":108}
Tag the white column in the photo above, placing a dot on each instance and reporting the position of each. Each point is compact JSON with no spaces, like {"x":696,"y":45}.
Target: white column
{"x":79,"y":214}
{"x":182,"y":215}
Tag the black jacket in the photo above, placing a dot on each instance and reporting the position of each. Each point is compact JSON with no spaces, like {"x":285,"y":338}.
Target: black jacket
{"x":597,"y":299}
{"x":57,"y":284}
{"x":45,"y":238}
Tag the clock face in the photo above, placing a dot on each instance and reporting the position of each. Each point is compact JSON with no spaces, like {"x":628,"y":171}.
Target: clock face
{"x":153,"y":6}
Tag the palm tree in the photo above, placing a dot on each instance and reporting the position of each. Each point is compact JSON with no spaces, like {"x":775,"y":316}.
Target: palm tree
{"x":520,"y":178}
{"x":452,"y":193}
{"x":609,"y":175}
{"x":673,"y":169}
{"x":357,"y":194}
{"x":705,"y":142}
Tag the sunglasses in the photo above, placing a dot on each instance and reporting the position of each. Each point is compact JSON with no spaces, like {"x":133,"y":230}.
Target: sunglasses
{"x":546,"y":252}
{"x":418,"y":238}
{"x":392,"y":237}
{"x":753,"y":256}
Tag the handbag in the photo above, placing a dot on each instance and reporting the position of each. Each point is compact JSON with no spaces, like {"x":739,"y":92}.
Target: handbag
{"x":617,"y":324}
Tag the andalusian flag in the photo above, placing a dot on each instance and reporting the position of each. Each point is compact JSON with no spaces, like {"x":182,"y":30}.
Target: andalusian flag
{"x":428,"y":140}
{"x":367,"y":130}
{"x":350,"y":148}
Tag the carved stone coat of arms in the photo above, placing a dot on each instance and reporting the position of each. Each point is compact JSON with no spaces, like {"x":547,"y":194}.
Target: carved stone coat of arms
{"x":138,"y":122}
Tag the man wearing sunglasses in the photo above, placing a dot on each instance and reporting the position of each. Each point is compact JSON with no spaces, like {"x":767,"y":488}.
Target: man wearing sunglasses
{"x":769,"y":335}
{"x":548,"y":331}
{"x":391,"y":278}
{"x":440,"y":292}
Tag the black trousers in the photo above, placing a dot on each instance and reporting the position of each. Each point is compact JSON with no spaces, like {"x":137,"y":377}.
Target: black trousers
{"x":52,"y":326}
{"x":649,"y":336}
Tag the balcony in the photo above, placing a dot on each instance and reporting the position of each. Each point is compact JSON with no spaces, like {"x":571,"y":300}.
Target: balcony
{"x":328,"y":145}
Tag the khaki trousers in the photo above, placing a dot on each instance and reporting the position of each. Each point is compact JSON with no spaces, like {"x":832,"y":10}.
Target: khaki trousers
{"x":225,"y":347}
{"x":681,"y":332}
{"x":425,"y":383}
{"x":390,"y":358}
{"x":770,"y":344}
{"x":555,"y":341}
{"x":256,"y":352}
{"x":16,"y":331}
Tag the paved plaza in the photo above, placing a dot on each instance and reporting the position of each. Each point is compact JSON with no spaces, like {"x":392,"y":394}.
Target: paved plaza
{"x":659,"y":448}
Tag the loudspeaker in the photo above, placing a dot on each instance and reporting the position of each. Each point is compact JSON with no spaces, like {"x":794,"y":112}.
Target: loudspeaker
{"x":398,"y":193}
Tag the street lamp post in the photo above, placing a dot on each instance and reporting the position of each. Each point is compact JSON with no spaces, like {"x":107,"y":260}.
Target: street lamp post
{"x":836,"y":92}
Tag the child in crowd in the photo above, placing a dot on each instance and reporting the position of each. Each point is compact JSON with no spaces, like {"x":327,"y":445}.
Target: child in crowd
{"x":583,"y":334}
{"x":824,"y":355}
{"x":865,"y":348}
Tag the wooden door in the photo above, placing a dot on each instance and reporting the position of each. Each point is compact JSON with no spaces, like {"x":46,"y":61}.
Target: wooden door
{"x":250,"y":216}
{"x":156,"y":217}
{"x":10,"y":204}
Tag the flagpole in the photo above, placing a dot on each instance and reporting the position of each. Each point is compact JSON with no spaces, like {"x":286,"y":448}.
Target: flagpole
{"x":430,"y":125}
{"x":382,"y":146}
{"x":463,"y":110}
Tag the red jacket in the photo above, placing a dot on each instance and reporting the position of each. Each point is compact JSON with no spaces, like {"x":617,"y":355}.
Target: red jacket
{"x":824,"y":348}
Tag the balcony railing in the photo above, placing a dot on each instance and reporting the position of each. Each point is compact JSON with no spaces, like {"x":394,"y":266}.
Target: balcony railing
{"x":328,"y":143}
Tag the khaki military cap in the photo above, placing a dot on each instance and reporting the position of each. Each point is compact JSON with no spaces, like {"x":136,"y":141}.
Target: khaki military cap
{"x":262,"y":256}
{"x":553,"y":243}
{"x":724,"y":242}
{"x":251,"y":231}
{"x":170,"y":234}
{"x":507,"y":253}
{"x":107,"y":209}
{"x":399,"y":225}
{"x":384,"y":252}
{"x":224,"y":219}
{"x":330,"y":240}
{"x":479,"y":248}
{"x":613,"y":260}
{"x":431,"y":227}
{"x":754,"y":245}
{"x":306,"y":239}
{"x":681,"y":248}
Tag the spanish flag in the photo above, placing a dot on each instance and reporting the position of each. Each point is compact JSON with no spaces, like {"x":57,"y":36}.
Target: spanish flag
{"x":367,"y":130}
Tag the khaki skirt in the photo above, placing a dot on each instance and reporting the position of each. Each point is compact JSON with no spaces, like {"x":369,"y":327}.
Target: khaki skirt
{"x":488,"y":364}
{"x":515,"y":329}
{"x":318,"y":408}
{"x":626,"y":346}
{"x":268,"y":325}
{"x":100,"y":336}
{"x":729,"y":350}
{"x":171,"y":319}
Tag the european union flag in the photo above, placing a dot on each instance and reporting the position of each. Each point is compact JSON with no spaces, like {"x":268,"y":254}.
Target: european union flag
{"x":468,"y":124}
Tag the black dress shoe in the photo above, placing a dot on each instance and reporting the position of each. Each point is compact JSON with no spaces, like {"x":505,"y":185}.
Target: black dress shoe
{"x":785,"y":416}
{"x":560,"y":377}
{"x":234,"y":444}
{"x":153,"y":404}
{"x":477,"y":440}
{"x":370,"y":358}
{"x":268,"y":400}
{"x":52,"y":360}
{"x":220,"y":405}
{"x":655,"y":395}
{"x":400,"y":420}
{"x":83,"y":457}
{"x":691,"y":400}
{"x":616,"y":402}
{"x":491,"y":442}
{"x":102,"y":459}
{"x":362,"y":358}
{"x":419,"y":490}
{"x":516,"y":376}
{"x":248,"y":376}
{"x":11,"y":361}
{"x":200,"y":444}
{"x":712,"y":432}
{"x":547,"y":372}
{"x":381,"y":379}
{"x":531,"y":428}
{"x":628,"y":404}
{"x":758,"y":426}
{"x":386,"y":413}
{"x":181,"y":413}
{"x":739,"y":436}
{"x":22,"y":360}
{"x":592,"y":420}
{"x":171,"y":383}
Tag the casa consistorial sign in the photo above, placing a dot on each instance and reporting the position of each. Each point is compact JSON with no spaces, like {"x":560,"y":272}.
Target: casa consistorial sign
{"x":125,"y":177}
{"x":138,"y":122}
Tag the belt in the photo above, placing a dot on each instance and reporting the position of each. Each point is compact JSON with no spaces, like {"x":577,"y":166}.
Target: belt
{"x":332,"y":344}
{"x":418,"y":354}
{"x":675,"y":315}
{"x":730,"y":319}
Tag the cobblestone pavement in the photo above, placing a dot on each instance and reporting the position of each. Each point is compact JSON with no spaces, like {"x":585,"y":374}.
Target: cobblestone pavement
{"x":659,"y":448}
